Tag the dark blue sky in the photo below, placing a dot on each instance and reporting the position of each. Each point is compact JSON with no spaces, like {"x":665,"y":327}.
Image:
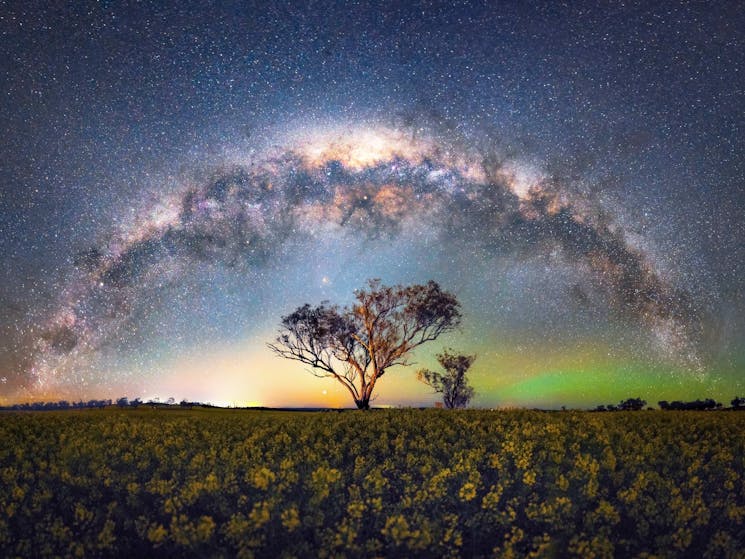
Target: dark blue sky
{"x":633,"y":112}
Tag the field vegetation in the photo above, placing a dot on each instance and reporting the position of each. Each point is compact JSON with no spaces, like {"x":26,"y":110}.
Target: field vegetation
{"x":410,"y":483}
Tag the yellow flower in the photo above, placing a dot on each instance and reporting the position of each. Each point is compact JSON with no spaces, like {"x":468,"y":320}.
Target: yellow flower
{"x":467,"y":492}
{"x":260,"y":514}
{"x":157,"y":534}
{"x":529,"y":478}
{"x":290,"y":518}
{"x":262,"y":477}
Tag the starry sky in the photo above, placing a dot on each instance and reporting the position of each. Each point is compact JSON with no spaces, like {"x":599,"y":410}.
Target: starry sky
{"x":174,"y":179}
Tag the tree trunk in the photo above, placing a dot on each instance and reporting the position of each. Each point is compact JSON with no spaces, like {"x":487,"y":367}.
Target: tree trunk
{"x":363,"y":403}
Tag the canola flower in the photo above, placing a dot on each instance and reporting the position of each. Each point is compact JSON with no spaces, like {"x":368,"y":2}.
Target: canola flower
{"x":406,"y":483}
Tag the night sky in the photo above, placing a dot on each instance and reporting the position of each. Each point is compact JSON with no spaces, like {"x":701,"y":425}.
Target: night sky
{"x":175,"y":179}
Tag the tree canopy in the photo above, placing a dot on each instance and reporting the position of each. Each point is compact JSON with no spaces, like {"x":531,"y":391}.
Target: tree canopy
{"x":357,"y":344}
{"x":453,"y":383}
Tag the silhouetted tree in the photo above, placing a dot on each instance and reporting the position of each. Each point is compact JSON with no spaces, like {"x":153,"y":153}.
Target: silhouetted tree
{"x":632,"y":404}
{"x":707,"y":404}
{"x":452,"y":384}
{"x":738,"y":403}
{"x":357,"y":344}
{"x":61,"y":405}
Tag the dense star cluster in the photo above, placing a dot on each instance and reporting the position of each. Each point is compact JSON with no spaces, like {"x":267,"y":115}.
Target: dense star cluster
{"x":173,"y":184}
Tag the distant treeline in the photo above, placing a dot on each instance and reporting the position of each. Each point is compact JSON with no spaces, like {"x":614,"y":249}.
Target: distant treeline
{"x":631,"y":404}
{"x":123,"y":402}
{"x":635,"y":404}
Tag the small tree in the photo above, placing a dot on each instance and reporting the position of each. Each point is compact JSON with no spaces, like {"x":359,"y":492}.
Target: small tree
{"x":632,"y":404}
{"x":356,"y":345}
{"x":453,"y":384}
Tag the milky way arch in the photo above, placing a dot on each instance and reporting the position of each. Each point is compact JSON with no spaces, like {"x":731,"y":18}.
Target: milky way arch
{"x":370,"y":182}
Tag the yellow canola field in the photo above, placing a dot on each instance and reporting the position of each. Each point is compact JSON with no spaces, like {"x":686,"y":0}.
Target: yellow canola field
{"x":384,"y":483}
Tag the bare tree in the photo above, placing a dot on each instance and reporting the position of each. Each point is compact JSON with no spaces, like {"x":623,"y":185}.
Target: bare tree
{"x":453,"y":384}
{"x":357,"y":344}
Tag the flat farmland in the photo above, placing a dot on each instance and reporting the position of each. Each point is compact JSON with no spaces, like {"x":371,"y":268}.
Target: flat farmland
{"x":408,"y":483}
